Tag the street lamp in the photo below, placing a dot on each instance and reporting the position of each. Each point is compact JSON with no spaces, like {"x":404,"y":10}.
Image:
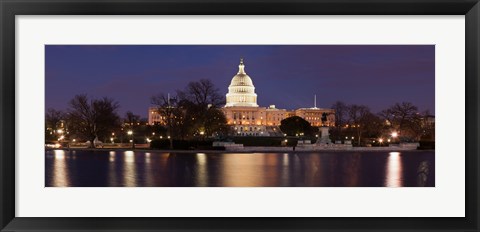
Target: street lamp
{"x":130,"y":132}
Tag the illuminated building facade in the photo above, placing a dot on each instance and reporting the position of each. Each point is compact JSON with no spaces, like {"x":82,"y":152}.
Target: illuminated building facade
{"x":247,"y":118}
{"x":314,"y":116}
{"x":154,"y":117}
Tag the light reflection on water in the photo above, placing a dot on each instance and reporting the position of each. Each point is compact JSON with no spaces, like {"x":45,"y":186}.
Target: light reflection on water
{"x":60,"y":173}
{"x":202,"y":170}
{"x":130,"y":174}
{"x":394,"y":170}
{"x":334,"y":169}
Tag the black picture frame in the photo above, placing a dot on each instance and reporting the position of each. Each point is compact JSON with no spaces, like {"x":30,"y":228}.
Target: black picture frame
{"x":11,"y":8}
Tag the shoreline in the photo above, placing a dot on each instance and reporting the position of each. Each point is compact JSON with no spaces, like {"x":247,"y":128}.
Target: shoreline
{"x":263,"y":150}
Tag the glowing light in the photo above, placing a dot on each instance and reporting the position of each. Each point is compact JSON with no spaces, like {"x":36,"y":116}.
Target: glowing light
{"x":111,"y":156}
{"x":130,"y":174}
{"x":60,"y":131}
{"x":394,"y":170}
{"x":147,"y":157}
{"x":61,"y":177}
{"x":202,"y":132}
{"x":130,"y":132}
{"x":394,"y":134}
{"x":129,"y":156}
{"x":388,"y":140}
{"x":380,"y":140}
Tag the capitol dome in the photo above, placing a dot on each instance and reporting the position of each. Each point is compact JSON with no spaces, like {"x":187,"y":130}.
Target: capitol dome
{"x":241,"y":91}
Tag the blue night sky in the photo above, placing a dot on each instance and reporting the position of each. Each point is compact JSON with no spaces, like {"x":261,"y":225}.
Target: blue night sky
{"x":287,"y":76}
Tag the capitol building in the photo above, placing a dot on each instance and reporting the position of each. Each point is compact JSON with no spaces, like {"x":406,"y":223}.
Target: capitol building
{"x":247,"y":118}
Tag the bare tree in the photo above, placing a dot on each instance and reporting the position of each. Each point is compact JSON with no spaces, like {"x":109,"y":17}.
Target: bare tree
{"x":131,"y":118}
{"x":202,"y":93}
{"x":169,"y":108}
{"x":341,"y":112}
{"x":358,"y":119}
{"x":90,"y":119}
{"x":215,"y":122}
{"x":401,"y":115}
{"x":193,"y":111}
{"x":201,"y":100}
{"x":52,"y":120}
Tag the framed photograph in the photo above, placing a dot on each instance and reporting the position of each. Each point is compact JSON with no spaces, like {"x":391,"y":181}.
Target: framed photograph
{"x":246,"y":115}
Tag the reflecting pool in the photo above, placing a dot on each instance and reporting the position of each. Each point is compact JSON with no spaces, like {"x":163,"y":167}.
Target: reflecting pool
{"x":315,"y":169}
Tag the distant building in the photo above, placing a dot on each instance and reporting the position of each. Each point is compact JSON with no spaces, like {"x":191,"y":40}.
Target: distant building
{"x":314,"y":116}
{"x":247,"y":118}
{"x":154,"y":117}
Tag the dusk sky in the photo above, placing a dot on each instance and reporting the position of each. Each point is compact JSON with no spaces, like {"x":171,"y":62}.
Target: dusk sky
{"x":286,"y":76}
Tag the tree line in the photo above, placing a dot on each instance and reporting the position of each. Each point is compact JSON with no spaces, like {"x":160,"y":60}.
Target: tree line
{"x":194,"y":113}
{"x":403,"y":119}
{"x":191,"y":112}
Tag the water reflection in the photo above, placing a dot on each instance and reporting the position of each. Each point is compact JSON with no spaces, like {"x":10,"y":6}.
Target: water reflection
{"x":111,"y":156}
{"x":394,"y":170}
{"x":242,"y":170}
{"x":112,"y":169}
{"x":129,"y":176}
{"x":335,"y":169}
{"x":422,"y":173}
{"x":60,"y":169}
{"x":202,"y":170}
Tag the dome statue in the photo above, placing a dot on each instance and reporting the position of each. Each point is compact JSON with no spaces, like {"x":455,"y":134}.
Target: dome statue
{"x":241,"y":91}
